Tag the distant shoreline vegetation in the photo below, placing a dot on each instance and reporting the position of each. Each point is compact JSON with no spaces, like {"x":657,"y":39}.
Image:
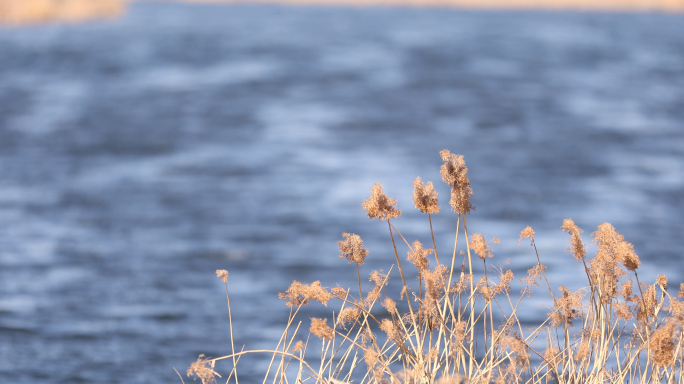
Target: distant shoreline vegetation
{"x":36,"y":11}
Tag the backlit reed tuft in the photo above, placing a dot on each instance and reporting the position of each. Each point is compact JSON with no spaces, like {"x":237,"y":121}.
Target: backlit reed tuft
{"x":379,"y":205}
{"x":352,"y":248}
{"x":460,"y":322}
{"x":425,"y":196}
{"x":455,"y":174}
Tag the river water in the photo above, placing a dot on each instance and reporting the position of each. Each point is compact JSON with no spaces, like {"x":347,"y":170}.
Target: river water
{"x":139,"y":155}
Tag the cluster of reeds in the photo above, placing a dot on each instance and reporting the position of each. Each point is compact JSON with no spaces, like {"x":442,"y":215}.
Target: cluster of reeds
{"x":449,"y":325}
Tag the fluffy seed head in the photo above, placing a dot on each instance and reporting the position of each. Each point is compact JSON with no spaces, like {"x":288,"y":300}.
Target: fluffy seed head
{"x":505,"y":282}
{"x":347,"y":316}
{"x":352,"y":248}
{"x":567,"y":308}
{"x":425,"y":196}
{"x":222,"y":274}
{"x":390,"y":305}
{"x":388,"y":327}
{"x":321,"y":329}
{"x":379,"y":205}
{"x":455,"y":173}
{"x":577,"y":247}
{"x":527,"y":233}
{"x":662,"y":345}
{"x":301,"y":294}
{"x":298,"y":346}
{"x":203,"y":368}
{"x":479,"y":244}
{"x":661,"y":280}
{"x":418,"y":256}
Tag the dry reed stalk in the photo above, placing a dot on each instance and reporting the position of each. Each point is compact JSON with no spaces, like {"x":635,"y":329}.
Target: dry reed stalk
{"x":467,"y":329}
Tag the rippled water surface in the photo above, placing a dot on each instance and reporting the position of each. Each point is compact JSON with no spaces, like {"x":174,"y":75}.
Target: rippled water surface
{"x":137,"y":156}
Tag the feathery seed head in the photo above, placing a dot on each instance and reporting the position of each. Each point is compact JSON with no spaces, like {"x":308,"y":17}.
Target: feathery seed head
{"x":348,"y":316}
{"x":505,"y":282}
{"x":222,"y":274}
{"x":455,"y":173}
{"x":577,"y":247}
{"x":527,"y":233}
{"x":661,"y":280}
{"x":379,"y":205}
{"x":478,"y":243}
{"x":352,"y":248}
{"x":425,"y":196}
{"x":390,"y":329}
{"x":298,"y":346}
{"x":203,"y":368}
{"x":321,"y":329}
{"x":390,"y":305}
{"x":301,"y":294}
{"x":662,"y":345}
{"x":613,"y":248}
{"x":418,"y":256}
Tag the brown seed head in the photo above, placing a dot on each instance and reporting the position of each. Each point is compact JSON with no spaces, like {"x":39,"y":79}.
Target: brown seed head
{"x":455,"y":173}
{"x":298,"y":346}
{"x":425,"y":196}
{"x":583,"y":351}
{"x":434,"y":282}
{"x":390,"y":305}
{"x":352,"y":248}
{"x":478,"y":243}
{"x":339,"y":292}
{"x":371,"y":357}
{"x":646,"y":306}
{"x":662,"y":345}
{"x":379,"y":205}
{"x":626,"y":291}
{"x":379,"y":279}
{"x":612,"y":247}
{"x":418,"y":256}
{"x":577,"y":247}
{"x":388,"y":327}
{"x":459,"y":332}
{"x":606,"y":267}
{"x":534,"y":274}
{"x":527,"y":233}
{"x":347,"y":316}
{"x":551,"y":356}
{"x":203,"y":369}
{"x":301,"y":294}
{"x":567,"y":308}
{"x":661,"y":280}
{"x":505,"y":283}
{"x":321,"y":329}
{"x":222,"y":274}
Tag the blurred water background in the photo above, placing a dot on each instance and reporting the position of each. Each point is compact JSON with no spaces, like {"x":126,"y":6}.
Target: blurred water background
{"x":139,"y":155}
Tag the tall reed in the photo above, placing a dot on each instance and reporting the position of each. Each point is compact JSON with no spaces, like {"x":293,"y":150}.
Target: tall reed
{"x":456,"y":326}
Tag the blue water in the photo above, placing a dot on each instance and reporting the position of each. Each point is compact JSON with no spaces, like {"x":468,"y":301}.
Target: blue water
{"x":139,"y":155}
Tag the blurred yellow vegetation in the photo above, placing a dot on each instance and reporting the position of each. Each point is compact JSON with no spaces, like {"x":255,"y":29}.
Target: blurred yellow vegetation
{"x":35,"y":11}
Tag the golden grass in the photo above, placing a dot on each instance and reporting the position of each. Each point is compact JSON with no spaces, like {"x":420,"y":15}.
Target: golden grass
{"x":455,"y":326}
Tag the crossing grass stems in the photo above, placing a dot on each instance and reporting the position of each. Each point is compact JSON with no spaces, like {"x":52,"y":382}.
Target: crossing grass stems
{"x":448,"y":324}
